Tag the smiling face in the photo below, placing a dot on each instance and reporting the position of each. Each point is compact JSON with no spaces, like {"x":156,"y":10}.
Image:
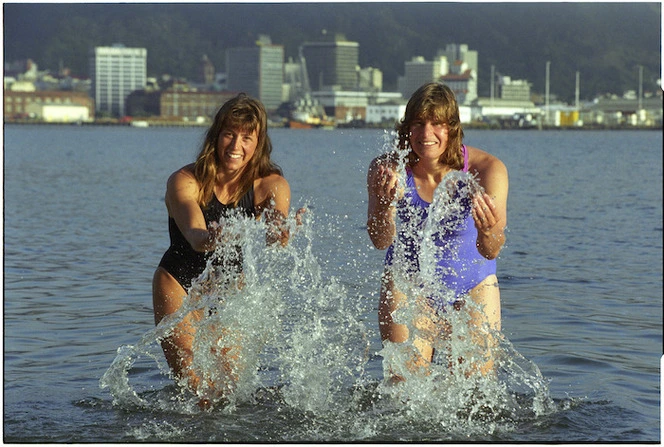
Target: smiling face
{"x":236,"y":147}
{"x":428,"y":138}
{"x":431,"y":125}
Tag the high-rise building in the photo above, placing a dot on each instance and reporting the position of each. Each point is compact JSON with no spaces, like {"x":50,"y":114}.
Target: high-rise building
{"x":459,"y":52}
{"x":332,"y":62}
{"x":370,"y":79}
{"x":207,"y":71}
{"x":115,"y":72}
{"x":257,"y":71}
{"x":462,"y":76}
{"x":418,"y":72}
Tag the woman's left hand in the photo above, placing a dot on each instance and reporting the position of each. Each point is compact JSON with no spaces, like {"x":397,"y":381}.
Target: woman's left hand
{"x":484,"y":213}
{"x":279,"y":230}
{"x":298,"y":216}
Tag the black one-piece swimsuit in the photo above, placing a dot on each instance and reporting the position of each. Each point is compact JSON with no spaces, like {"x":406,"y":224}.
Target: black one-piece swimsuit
{"x":182,"y":261}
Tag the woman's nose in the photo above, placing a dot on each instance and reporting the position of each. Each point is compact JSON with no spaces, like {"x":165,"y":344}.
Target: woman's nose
{"x":236,"y":143}
{"x":427,"y":128}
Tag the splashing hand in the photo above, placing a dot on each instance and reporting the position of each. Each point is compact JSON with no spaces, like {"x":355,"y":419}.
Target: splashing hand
{"x":484,"y":213}
{"x":214,"y":235}
{"x":386,"y":185}
{"x":298,"y":216}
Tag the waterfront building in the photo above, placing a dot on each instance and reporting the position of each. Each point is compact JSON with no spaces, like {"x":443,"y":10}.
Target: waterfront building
{"x":387,"y":113}
{"x":347,"y":106}
{"x":51,"y":106}
{"x":51,"y":113}
{"x":192,"y":104}
{"x":495,"y":110}
{"x":177,"y":102}
{"x":513,"y":90}
{"x":617,"y":112}
{"x":258,"y":71}
{"x":115,"y":72}
{"x":419,"y":71}
{"x":496,"y":107}
{"x":464,"y":85}
{"x":333,"y":62}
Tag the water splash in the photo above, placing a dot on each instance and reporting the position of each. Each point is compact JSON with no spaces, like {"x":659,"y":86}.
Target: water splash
{"x":305,"y":359}
{"x":451,"y":395}
{"x":283,"y":324}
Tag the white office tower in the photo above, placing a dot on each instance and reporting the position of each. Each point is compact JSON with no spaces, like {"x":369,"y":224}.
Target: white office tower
{"x":115,"y":72}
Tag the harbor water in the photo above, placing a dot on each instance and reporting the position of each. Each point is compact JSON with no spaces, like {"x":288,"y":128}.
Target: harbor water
{"x":85,"y":226}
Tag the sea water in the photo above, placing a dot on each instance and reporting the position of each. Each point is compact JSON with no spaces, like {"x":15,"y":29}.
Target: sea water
{"x":85,"y":226}
{"x":321,"y":365}
{"x":312,"y":361}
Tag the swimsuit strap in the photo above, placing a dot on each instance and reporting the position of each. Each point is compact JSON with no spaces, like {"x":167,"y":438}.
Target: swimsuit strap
{"x":410,"y":178}
{"x":465,"y":158}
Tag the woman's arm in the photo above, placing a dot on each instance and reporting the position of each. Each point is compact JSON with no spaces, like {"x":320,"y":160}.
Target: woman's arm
{"x":273,"y":197}
{"x":382,"y":190}
{"x":490,"y":208}
{"x":182,"y":202}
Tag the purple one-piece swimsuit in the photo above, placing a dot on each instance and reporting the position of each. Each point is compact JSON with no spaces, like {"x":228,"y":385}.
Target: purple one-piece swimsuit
{"x":460,"y":267}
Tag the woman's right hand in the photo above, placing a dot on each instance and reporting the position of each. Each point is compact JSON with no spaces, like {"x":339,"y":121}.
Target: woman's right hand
{"x":214,"y":236}
{"x":386,"y":184}
{"x":382,"y":188}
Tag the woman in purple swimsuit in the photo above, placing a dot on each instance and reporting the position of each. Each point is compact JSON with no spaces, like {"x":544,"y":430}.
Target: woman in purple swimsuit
{"x":468,"y":240}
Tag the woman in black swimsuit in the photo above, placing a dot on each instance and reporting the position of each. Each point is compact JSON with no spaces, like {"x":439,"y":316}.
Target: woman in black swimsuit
{"x":232,"y":173}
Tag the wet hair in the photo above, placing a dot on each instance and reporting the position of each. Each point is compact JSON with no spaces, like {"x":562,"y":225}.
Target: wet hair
{"x":244,"y":113}
{"x":436,"y":102}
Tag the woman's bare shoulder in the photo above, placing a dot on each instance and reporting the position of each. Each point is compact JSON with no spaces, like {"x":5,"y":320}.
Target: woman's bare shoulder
{"x":270,"y":183}
{"x":183,"y":183}
{"x":270,"y":179}
{"x":185,"y":173}
{"x":482,"y":161}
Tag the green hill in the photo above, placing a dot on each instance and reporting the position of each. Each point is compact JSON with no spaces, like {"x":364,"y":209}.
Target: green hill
{"x":605,"y":42}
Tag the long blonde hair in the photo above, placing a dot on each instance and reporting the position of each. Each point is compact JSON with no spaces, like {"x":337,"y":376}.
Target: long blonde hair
{"x":240,"y":112}
{"x":435,"y":102}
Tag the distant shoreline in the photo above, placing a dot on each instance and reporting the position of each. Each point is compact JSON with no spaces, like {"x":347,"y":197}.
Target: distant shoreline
{"x":148,"y":123}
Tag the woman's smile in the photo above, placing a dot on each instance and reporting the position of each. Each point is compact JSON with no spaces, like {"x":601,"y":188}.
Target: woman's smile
{"x":238,"y":147}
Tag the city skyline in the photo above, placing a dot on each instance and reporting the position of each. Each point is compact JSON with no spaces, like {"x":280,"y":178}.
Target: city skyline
{"x":516,"y":39}
{"x":119,"y":88}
